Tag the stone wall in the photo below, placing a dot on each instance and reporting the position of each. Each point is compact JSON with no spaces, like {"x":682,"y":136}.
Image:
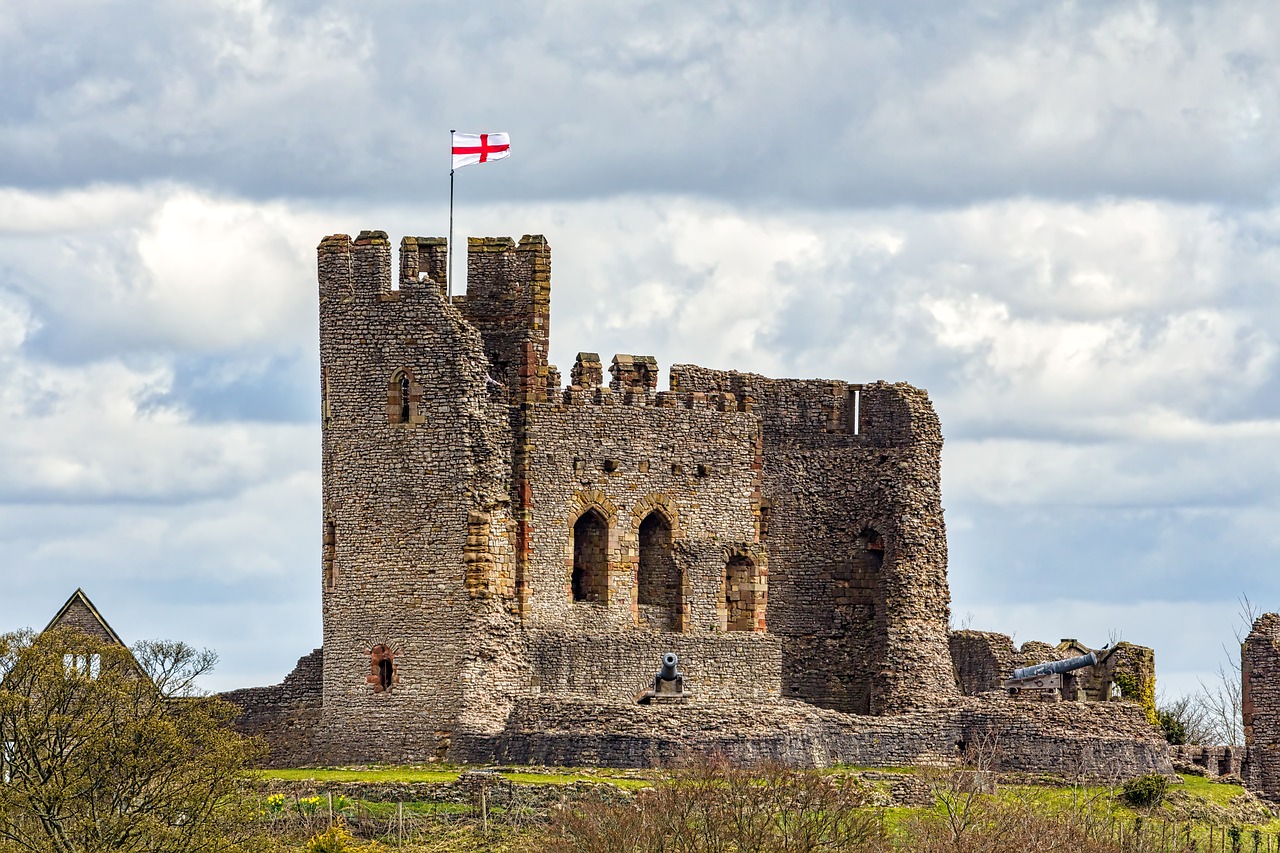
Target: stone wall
{"x":1211,"y":761}
{"x":982,"y":660}
{"x":284,"y":715}
{"x":1260,"y":687}
{"x":856,"y":540}
{"x":627,"y":456}
{"x":616,"y":666}
{"x":1093,"y":742}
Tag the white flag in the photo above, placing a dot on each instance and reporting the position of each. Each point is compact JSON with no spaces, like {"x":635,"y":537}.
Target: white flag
{"x":469,"y":148}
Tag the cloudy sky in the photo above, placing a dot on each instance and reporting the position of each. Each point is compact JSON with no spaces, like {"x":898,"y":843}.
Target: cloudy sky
{"x":1061,"y":218}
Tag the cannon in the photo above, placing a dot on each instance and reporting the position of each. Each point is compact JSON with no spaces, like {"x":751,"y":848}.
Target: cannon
{"x":668,"y":683}
{"x":1057,"y":667}
{"x":1048,"y":675}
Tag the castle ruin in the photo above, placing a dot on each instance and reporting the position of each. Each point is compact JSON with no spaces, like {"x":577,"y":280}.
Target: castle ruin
{"x":506,"y":558}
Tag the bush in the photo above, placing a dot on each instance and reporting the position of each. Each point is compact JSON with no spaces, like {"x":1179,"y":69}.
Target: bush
{"x":1175,"y":731}
{"x":717,"y":806}
{"x":1145,"y":791}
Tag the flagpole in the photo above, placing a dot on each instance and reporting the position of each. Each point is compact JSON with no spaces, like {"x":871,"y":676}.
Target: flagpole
{"x":448,"y":267}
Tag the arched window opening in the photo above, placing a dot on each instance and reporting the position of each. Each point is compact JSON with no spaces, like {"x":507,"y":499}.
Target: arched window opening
{"x":330,"y":553}
{"x":741,"y":594}
{"x":383,"y":673}
{"x":657,"y":576}
{"x":590,"y":580}
{"x":402,"y":399}
{"x":870,"y":551}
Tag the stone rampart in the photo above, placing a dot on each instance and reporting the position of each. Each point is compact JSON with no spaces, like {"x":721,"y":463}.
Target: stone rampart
{"x":284,"y":715}
{"x":1211,"y":761}
{"x":1100,"y":743}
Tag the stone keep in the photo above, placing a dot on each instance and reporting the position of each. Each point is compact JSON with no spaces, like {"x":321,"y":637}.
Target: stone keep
{"x":491,"y":538}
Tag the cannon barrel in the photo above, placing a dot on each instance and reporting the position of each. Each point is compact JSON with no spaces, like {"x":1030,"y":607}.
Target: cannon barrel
{"x":1056,"y":666}
{"x":669,"y":661}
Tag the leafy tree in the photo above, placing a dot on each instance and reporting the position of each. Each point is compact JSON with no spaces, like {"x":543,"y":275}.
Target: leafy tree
{"x":96,"y":756}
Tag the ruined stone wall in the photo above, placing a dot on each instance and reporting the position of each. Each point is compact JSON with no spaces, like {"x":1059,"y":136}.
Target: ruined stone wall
{"x":626,"y":457}
{"x":418,"y":557}
{"x":286,"y":714}
{"x":1105,"y":742}
{"x":857,"y":545}
{"x":982,"y":660}
{"x":615,"y":666}
{"x":1211,"y":761}
{"x":1260,"y":687}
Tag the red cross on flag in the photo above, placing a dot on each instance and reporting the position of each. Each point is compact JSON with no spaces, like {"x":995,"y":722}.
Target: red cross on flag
{"x":470,"y":148}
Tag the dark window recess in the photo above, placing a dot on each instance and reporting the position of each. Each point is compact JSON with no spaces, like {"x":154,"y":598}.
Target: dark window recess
{"x":383,"y":673}
{"x":404,"y":399}
{"x":657,"y":576}
{"x":590,"y":579}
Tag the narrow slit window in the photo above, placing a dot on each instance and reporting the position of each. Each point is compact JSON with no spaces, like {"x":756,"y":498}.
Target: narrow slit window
{"x":330,"y":555}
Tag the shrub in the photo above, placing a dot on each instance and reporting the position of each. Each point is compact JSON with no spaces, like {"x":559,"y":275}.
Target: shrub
{"x":1145,"y":791}
{"x":335,"y":839}
{"x":716,"y":806}
{"x":1175,"y":731}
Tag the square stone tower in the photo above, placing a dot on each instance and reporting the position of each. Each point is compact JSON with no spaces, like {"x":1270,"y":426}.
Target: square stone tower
{"x":492,"y":539}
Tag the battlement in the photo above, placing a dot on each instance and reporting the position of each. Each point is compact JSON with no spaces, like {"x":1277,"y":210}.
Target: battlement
{"x":879,"y":413}
{"x":363,"y":265}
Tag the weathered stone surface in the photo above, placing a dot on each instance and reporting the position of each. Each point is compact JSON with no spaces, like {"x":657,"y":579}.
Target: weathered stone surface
{"x":1096,"y":741}
{"x":284,"y":715}
{"x":1211,"y":761}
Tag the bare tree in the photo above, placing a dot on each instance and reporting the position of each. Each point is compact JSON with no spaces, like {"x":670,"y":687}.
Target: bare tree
{"x":1220,"y":698}
{"x":173,"y":666}
{"x":1185,"y":720}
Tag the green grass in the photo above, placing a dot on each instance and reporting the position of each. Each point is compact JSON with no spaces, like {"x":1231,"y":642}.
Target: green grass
{"x":1206,"y":789}
{"x":421,"y":774}
{"x":352,"y":774}
{"x":522,"y":778}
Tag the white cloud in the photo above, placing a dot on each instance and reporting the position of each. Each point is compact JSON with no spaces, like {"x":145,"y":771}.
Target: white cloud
{"x":1146,"y":397}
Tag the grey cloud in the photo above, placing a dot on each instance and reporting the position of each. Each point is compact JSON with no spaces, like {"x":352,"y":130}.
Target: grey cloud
{"x":815,"y":103}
